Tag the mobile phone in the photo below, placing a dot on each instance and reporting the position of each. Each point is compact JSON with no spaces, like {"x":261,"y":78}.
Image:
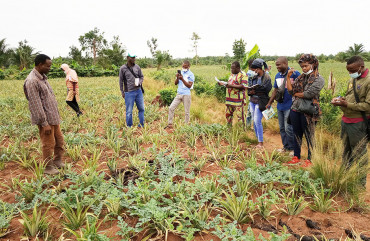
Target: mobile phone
{"x":179,"y":71}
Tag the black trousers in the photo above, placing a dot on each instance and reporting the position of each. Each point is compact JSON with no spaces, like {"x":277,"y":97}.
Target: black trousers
{"x":74,"y":105}
{"x":300,"y":128}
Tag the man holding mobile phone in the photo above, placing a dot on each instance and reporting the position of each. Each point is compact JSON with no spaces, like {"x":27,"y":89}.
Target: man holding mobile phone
{"x":356,"y":116}
{"x":184,"y":80}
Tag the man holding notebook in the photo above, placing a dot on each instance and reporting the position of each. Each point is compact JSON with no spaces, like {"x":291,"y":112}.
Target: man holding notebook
{"x":130,"y":82}
{"x":284,"y":103}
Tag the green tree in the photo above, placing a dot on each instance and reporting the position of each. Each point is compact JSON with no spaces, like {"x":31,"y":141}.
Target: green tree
{"x":195,"y":38}
{"x":5,"y":54}
{"x":162,"y":58}
{"x":356,"y":49}
{"x":24,"y":55}
{"x":239,"y":49}
{"x":93,"y":42}
{"x":322,"y":58}
{"x":341,"y":56}
{"x":298,"y":56}
{"x":115,"y":54}
{"x":152,"y":44}
{"x":76,"y":54}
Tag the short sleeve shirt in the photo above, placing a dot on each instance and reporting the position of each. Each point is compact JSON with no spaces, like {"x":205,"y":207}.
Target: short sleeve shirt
{"x":189,"y":77}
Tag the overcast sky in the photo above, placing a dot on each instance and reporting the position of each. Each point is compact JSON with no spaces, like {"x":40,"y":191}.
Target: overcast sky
{"x":284,"y":27}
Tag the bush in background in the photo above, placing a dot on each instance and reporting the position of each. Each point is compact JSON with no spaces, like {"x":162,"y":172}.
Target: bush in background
{"x":2,"y":74}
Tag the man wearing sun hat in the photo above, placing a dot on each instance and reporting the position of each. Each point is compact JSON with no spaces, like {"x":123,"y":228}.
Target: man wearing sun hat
{"x":130,"y":82}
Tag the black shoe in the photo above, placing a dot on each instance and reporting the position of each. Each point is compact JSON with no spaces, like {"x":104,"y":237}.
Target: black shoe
{"x":79,"y":113}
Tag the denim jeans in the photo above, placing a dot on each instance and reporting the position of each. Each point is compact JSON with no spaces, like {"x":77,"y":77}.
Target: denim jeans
{"x":135,"y":96}
{"x":300,"y":128}
{"x":286,"y":130}
{"x":257,"y":120}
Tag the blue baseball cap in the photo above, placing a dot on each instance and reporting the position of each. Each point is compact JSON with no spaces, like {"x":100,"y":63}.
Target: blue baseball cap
{"x":131,"y":55}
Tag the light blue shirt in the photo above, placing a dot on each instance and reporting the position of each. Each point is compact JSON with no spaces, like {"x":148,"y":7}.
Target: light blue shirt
{"x":189,"y":77}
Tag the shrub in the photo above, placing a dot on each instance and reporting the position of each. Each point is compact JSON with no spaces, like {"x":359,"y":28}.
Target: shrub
{"x":330,"y":113}
{"x":167,"y":95}
{"x":220,"y":92}
{"x":2,"y":74}
{"x":163,"y":75}
{"x":328,"y":167}
{"x":202,"y":87}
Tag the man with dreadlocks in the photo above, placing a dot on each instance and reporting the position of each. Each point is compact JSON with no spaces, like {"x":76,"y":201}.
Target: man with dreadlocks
{"x":305,"y":108}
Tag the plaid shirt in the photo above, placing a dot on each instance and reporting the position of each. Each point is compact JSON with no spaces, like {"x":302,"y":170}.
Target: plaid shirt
{"x":41,"y":100}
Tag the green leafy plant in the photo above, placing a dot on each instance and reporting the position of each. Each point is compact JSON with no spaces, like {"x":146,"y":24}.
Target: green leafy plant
{"x":74,"y":152}
{"x":322,"y":200}
{"x":74,"y":218}
{"x":242,"y":185}
{"x":293,"y":203}
{"x":36,"y":225}
{"x":6,"y":215}
{"x":167,"y":96}
{"x":226,"y":161}
{"x":29,"y":189}
{"x":90,"y":231}
{"x":127,"y":232}
{"x":38,"y":169}
{"x":237,"y":208}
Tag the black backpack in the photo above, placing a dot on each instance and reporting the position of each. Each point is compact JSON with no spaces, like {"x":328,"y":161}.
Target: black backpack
{"x":279,"y":97}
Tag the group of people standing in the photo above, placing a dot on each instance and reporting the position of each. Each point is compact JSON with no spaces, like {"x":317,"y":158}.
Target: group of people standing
{"x":291,"y":88}
{"x":298,"y":97}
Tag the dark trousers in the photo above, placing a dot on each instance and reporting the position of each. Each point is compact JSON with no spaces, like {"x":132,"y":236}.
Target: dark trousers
{"x":355,"y":145}
{"x":301,"y":127}
{"x":74,"y":105}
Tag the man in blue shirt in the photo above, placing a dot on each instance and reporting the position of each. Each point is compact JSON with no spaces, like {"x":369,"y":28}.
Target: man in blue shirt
{"x":286,"y":130}
{"x":185,"y":82}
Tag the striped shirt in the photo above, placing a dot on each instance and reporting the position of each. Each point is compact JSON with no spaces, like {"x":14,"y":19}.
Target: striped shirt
{"x":41,"y":100}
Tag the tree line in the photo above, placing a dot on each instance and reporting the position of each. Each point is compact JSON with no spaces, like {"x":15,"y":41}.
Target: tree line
{"x":96,"y":52}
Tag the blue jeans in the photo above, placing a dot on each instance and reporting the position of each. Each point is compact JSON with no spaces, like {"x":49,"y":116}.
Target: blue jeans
{"x":257,"y":120}
{"x":300,"y":128}
{"x":286,"y":130}
{"x":135,"y":96}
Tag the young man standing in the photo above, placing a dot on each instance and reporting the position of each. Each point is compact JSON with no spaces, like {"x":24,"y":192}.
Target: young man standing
{"x":185,"y":82}
{"x":355,"y":106}
{"x":44,"y":113}
{"x":130,"y":82}
{"x":286,"y":130}
{"x":235,"y":93}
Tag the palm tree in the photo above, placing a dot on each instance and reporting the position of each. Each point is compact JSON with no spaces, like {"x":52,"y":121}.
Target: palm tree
{"x":357,"y":49}
{"x":24,"y":55}
{"x":3,"y":52}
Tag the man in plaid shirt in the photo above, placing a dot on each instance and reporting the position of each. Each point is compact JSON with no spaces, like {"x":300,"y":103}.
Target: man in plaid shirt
{"x":44,"y":113}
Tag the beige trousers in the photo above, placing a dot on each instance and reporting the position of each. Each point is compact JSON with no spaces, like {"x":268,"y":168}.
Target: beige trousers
{"x":186,"y":99}
{"x":52,"y":143}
